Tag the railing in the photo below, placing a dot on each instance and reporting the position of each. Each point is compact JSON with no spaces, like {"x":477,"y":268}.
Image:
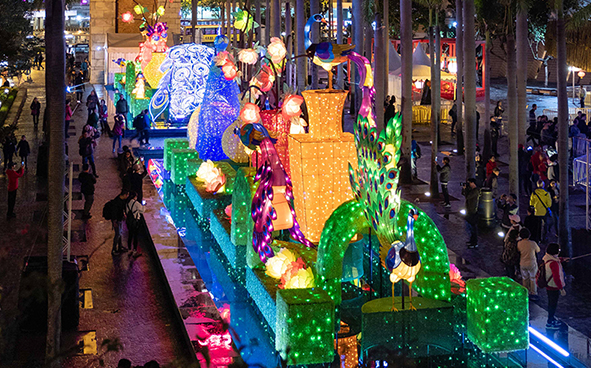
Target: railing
{"x":581,"y":167}
{"x":68,"y":216}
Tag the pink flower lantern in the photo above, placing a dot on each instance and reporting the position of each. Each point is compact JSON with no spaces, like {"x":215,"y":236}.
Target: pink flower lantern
{"x":291,"y":106}
{"x":250,"y":113}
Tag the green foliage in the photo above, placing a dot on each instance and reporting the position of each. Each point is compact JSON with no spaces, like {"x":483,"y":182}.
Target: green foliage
{"x":14,"y":27}
{"x":6,"y":100}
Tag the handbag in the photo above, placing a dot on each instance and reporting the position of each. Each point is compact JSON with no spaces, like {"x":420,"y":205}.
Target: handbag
{"x":548,"y":210}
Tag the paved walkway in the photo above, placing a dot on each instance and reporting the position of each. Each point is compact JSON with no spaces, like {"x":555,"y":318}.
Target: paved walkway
{"x":128,"y":302}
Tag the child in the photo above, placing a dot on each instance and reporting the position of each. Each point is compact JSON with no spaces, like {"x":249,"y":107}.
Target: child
{"x":528,"y":262}
{"x":555,"y":277}
{"x":23,"y":150}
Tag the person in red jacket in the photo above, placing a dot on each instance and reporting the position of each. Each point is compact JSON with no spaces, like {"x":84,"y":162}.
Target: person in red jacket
{"x":555,"y":277}
{"x":491,"y":165}
{"x":12,"y":187}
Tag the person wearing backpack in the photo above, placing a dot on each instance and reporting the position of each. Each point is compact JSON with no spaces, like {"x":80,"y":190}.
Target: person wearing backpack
{"x":133,"y":212}
{"x":528,"y":262}
{"x":114,"y":210}
{"x":551,"y":277}
{"x":510,"y":256}
{"x":87,"y":182}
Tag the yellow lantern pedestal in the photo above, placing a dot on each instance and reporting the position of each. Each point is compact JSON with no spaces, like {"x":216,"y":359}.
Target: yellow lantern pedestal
{"x":319,"y":162}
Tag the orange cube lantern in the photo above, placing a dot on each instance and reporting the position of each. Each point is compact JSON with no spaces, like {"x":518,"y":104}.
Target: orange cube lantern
{"x":319,"y":161}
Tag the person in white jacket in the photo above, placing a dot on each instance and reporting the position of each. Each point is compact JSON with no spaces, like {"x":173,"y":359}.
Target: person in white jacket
{"x":556,"y":284}
{"x":133,"y":213}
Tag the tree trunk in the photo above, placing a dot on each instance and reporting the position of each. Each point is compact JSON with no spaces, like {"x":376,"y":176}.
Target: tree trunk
{"x":368,"y":41}
{"x":228,"y":20}
{"x":512,"y":107}
{"x":358,"y":41}
{"x":233,"y":31}
{"x":460,"y":76}
{"x":315,"y":38}
{"x":275,"y":18}
{"x":379,"y":72}
{"x":289,"y":43}
{"x":386,"y":43}
{"x":257,"y":18}
{"x":470,"y":89}
{"x":564,"y":233}
{"x":434,"y":188}
{"x":56,"y":102}
{"x":267,"y":23}
{"x":522,"y":53}
{"x":300,"y":46}
{"x":486,"y":77}
{"x":340,"y":72}
{"x":406,"y":103}
{"x":193,"y":20}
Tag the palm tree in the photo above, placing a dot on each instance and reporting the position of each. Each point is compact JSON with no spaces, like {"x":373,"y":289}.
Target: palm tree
{"x":300,"y":47}
{"x":379,"y":69}
{"x":358,"y":41}
{"x":406,"y":58}
{"x":434,"y":53}
{"x":56,"y":102}
{"x":315,"y":37}
{"x":340,"y":74}
{"x":275,"y":18}
{"x":470,"y":86}
{"x":486,"y":76}
{"x":460,"y":75}
{"x":522,"y":54}
{"x":564,"y":233}
{"x":512,"y":105}
{"x":257,"y":18}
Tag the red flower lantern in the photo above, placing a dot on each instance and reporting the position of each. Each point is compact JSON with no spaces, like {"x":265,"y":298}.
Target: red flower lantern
{"x":127,"y":17}
{"x":230,"y":70}
{"x":250,"y":113}
{"x":291,"y":106}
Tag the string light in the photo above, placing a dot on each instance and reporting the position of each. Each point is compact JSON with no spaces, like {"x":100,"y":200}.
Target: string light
{"x":219,"y":110}
{"x":172,"y":144}
{"x":178,"y":167}
{"x":318,"y":162}
{"x":497,"y":314}
{"x":185,"y":70}
{"x":279,"y":127}
{"x":152,"y":70}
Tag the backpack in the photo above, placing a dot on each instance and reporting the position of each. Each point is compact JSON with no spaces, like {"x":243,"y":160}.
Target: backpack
{"x":109,"y":210}
{"x":510,"y":255}
{"x":129,"y":212}
{"x":541,"y":279}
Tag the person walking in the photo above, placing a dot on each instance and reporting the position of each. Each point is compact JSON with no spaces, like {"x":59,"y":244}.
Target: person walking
{"x":133,"y":211}
{"x":69,"y":114}
{"x":117,"y":214}
{"x":84,"y":69}
{"x":528,"y":262}
{"x":541,"y":201}
{"x":141,"y":125}
{"x":35,"y":111}
{"x":444,"y":174}
{"x":494,"y":135}
{"x":41,"y":61}
{"x":554,"y":192}
{"x":472,"y":194}
{"x":86,"y":145}
{"x":532,"y":115}
{"x":426,"y":95}
{"x":12,"y":176}
{"x":87,"y":182}
{"x":491,"y":165}
{"x":8,"y":149}
{"x":390,"y":109}
{"x":480,"y":171}
{"x":121,"y":107}
{"x":511,"y":256}
{"x":555,"y":282}
{"x":23,"y":149}
{"x":499,"y":114}
{"x":582,"y":95}
{"x":453,"y":113}
{"x":117,"y":131}
{"x":79,"y":85}
{"x":415,"y":154}
{"x":103,"y":115}
{"x":92,"y":102}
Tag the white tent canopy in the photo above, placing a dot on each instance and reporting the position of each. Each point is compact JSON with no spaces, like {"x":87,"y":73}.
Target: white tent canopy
{"x":394,"y":59}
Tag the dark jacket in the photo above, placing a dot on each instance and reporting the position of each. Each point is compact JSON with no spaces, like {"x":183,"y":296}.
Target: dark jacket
{"x":119,"y":208}
{"x":472,"y":198}
{"x":35,"y":108}
{"x":92,"y":102}
{"x":498,"y":111}
{"x":390,"y":112}
{"x":8,"y":147}
{"x":85,"y":146}
{"x":508,"y":210}
{"x":480,"y":174}
{"x":87,"y":182}
{"x":453,"y":113}
{"x":444,"y":173}
{"x":23,"y":148}
{"x":122,"y":107}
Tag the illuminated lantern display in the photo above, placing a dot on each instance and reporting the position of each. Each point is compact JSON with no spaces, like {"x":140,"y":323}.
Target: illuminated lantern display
{"x":244,"y":21}
{"x":318,"y":161}
{"x":250,"y":113}
{"x":230,"y":70}
{"x":127,"y":17}
{"x":152,"y":70}
{"x":233,"y":147}
{"x":291,"y":106}
{"x":248,"y":56}
{"x":213,"y":177}
{"x":182,"y":87}
{"x":498,"y":314}
{"x":278,"y":127}
{"x":277,"y":265}
{"x":219,"y":110}
{"x":192,"y":128}
{"x":140,"y":87}
{"x":156,"y":38}
{"x":276,"y":50}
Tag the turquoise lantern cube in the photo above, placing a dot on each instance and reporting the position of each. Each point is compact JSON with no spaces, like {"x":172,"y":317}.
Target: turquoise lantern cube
{"x":178,"y":170}
{"x":497,"y":314}
{"x":305,"y":325}
{"x":169,"y":145}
